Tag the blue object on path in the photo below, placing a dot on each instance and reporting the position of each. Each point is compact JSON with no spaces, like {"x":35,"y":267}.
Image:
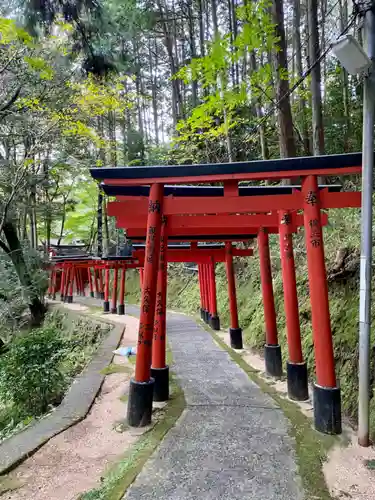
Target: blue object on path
{"x":125,"y":351}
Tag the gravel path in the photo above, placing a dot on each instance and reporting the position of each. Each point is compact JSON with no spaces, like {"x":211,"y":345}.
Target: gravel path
{"x":232,"y":440}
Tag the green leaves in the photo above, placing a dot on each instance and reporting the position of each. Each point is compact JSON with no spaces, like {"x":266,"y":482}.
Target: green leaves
{"x":40,"y":66}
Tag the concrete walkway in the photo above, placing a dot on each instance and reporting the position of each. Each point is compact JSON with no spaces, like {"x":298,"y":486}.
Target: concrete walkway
{"x":231,"y":441}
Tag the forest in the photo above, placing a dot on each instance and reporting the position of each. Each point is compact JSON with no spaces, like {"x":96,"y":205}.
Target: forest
{"x":107,"y":82}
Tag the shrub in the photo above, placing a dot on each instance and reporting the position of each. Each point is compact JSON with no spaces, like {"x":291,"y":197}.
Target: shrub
{"x":30,"y":376}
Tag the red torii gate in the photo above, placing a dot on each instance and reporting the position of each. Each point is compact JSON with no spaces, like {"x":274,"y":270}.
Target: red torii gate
{"x":327,"y":407}
{"x":184,"y":226}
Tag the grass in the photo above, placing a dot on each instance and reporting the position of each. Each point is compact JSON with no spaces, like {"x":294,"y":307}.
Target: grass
{"x":121,"y":475}
{"x":311,"y":446}
{"x":116,"y":368}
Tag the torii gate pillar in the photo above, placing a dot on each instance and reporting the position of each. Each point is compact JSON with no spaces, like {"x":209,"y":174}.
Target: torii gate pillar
{"x":121,"y":305}
{"x":214,"y":318}
{"x":296,"y":367}
{"x":142,"y":385}
{"x":235,"y":331}
{"x":159,"y":368}
{"x":327,"y":398}
{"x":272,"y":349}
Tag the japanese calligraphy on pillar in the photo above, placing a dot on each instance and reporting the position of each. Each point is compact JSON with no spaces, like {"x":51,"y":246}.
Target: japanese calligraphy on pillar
{"x":286,"y":219}
{"x":145,"y":332}
{"x":315,"y":233}
{"x":162,"y":254}
{"x":154,"y":206}
{"x":159,"y":304}
{"x":288,"y":246}
{"x":146,"y":300}
{"x":151,"y":244}
{"x":311,"y":198}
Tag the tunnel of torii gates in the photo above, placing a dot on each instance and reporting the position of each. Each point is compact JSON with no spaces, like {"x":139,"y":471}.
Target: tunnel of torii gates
{"x":153,"y":210}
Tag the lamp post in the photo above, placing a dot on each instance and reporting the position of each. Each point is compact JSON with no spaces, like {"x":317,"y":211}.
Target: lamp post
{"x":357,"y":60}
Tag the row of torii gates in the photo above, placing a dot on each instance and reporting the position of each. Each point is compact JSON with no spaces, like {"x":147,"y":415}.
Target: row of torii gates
{"x":154,"y":206}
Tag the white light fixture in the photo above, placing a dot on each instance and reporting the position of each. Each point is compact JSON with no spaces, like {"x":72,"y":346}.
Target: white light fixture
{"x":351,"y":55}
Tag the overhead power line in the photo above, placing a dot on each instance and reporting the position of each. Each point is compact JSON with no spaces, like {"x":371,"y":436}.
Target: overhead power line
{"x":302,"y":78}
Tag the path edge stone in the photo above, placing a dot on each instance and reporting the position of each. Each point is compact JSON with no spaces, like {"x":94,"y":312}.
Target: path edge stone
{"x":73,"y":408}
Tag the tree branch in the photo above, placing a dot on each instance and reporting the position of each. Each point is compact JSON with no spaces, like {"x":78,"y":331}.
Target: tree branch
{"x":4,"y":247}
{"x":11,"y":101}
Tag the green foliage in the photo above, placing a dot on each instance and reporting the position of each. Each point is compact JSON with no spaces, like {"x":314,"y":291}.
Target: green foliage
{"x":14,"y":298}
{"x":30,"y":377}
{"x":38,"y":366}
{"x":219,"y":114}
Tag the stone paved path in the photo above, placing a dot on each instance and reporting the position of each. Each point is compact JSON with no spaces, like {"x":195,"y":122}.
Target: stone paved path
{"x":231,"y":441}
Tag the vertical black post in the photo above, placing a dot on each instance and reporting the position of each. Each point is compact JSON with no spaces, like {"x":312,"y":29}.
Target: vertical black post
{"x":100,"y":223}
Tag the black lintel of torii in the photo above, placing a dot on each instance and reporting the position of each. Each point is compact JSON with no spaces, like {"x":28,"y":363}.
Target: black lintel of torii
{"x":297,"y":164}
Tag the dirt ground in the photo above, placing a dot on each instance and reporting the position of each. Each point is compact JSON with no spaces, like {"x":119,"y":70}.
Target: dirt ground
{"x":73,"y":462}
{"x":346,"y":473}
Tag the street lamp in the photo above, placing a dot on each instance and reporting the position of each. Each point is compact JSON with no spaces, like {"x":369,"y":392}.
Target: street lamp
{"x":351,"y":55}
{"x":358,"y":61}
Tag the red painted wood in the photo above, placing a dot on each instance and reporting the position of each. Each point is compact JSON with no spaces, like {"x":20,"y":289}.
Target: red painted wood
{"x":178,"y":223}
{"x":90,"y":280}
{"x":231,"y":188}
{"x":213,"y":287}
{"x":200,"y":179}
{"x":159,"y":338}
{"x":231,"y":286}
{"x":151,"y":263}
{"x":199,"y":255}
{"x":207,"y":281}
{"x":71,"y":282}
{"x":321,"y":324}
{"x":114,"y":289}
{"x":267,"y":288}
{"x":69,"y":271}
{"x":101,"y":284}
{"x":290,"y":289}
{"x":200,"y":284}
{"x":133,"y":220}
{"x":106,"y":285}
{"x":96,"y":278}
{"x":220,"y":205}
{"x":62,"y":283}
{"x":122,"y":287}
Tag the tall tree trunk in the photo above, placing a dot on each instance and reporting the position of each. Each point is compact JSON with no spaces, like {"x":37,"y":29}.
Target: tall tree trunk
{"x":214,"y":17}
{"x":259,"y":113}
{"x":138,"y":86}
{"x":112,"y":137}
{"x":32,"y":213}
{"x":100,"y":193}
{"x":201,"y":28}
{"x":299,"y":68}
{"x":231,"y":34}
{"x":15,"y":253}
{"x":63,"y":218}
{"x":221,"y":86}
{"x":154,"y":89}
{"x":24,"y":224}
{"x":193,"y":52}
{"x":169,"y":44}
{"x":287,"y":141}
{"x":235,"y":33}
{"x":344,"y":77}
{"x":316,"y":97}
